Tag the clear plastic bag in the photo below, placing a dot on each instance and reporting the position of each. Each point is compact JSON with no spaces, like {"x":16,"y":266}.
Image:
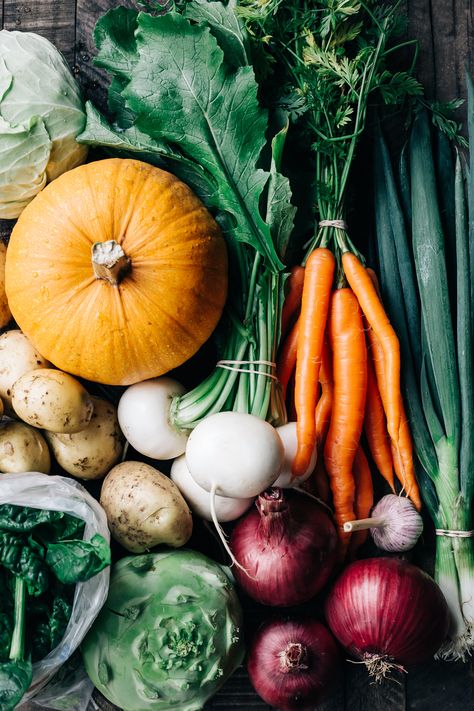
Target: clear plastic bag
{"x":57,"y":493}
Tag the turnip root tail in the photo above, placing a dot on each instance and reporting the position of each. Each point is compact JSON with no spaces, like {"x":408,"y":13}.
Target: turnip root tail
{"x":221,"y":533}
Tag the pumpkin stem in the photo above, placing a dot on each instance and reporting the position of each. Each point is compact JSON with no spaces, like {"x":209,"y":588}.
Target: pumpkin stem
{"x":109,"y":261}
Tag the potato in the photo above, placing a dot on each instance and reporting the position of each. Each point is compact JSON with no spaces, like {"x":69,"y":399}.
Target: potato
{"x":5,"y":313}
{"x":144,"y":508}
{"x":17,"y":357}
{"x":23,"y":449}
{"x":90,"y":454}
{"x":52,"y":400}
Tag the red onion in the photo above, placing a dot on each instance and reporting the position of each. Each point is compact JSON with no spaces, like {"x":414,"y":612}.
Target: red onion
{"x":387,"y":612}
{"x":291,"y":663}
{"x":286,"y":547}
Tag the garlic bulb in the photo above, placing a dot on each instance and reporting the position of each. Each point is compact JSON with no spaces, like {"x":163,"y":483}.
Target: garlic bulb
{"x":395,"y":524}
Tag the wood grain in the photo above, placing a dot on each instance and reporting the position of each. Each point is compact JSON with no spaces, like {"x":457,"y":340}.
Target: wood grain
{"x":441,"y":685}
{"x":444,"y":30}
{"x":363,"y":694}
{"x":54,"y":19}
{"x":92,"y":79}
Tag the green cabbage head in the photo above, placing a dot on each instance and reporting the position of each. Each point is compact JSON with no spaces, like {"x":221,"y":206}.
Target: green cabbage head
{"x":169,"y":635}
{"x":41,"y":113}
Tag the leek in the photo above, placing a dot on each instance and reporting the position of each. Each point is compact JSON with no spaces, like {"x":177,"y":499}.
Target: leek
{"x":424,"y":255}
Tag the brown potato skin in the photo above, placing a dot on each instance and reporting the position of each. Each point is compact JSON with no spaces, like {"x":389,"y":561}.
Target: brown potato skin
{"x":90,"y":453}
{"x":52,"y":400}
{"x":23,"y":449}
{"x":144,"y":508}
{"x":17,"y":357}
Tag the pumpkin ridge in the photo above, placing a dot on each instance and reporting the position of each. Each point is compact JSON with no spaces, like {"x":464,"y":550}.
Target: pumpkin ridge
{"x":159,"y":315}
{"x":131,"y":207}
{"x":158,"y":304}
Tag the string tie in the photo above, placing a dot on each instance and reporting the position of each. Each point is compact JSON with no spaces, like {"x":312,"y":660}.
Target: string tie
{"x":454,"y":534}
{"x":338,"y":224}
{"x":237,"y":366}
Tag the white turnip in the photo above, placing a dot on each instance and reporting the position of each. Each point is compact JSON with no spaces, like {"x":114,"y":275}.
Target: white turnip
{"x":144,"y":418}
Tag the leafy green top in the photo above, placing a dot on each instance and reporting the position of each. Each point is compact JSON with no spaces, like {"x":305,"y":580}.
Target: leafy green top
{"x":330,"y":56}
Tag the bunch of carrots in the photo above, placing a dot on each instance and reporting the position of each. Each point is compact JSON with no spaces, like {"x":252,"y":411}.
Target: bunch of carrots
{"x":341,"y":352}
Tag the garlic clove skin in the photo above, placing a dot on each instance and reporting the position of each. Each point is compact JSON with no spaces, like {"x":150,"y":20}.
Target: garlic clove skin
{"x":402,"y":524}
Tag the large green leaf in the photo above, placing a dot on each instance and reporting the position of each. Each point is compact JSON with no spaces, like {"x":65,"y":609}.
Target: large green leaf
{"x":134,"y":143}
{"x":182,"y":92}
{"x":226,"y":26}
{"x":114,"y":36}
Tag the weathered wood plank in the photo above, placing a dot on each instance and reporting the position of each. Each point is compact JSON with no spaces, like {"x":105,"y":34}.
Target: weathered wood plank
{"x":236,"y":694}
{"x":92,"y":79}
{"x":54,"y":19}
{"x":446,"y":685}
{"x":420,"y":27}
{"x":443,"y":29}
{"x":363,"y":694}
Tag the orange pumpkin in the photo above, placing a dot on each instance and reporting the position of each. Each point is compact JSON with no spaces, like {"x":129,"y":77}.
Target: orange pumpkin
{"x":116,"y":272}
{"x":5,"y":313}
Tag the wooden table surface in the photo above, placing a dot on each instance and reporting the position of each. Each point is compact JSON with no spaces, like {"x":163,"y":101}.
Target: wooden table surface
{"x":444,"y":29}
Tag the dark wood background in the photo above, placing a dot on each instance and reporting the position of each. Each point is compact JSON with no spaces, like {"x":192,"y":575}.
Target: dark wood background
{"x":444,"y":30}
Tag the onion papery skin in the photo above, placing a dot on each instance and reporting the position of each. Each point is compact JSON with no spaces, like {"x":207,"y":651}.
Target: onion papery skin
{"x":286,"y":546}
{"x":387,"y":612}
{"x":292,"y":663}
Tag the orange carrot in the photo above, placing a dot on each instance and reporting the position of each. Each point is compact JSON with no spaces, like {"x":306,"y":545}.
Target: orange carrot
{"x":375,"y":281}
{"x":375,"y":427}
{"x":403,"y":461}
{"x":324,"y":406}
{"x":292,"y":302}
{"x":319,"y":274}
{"x":287,"y":358}
{"x":349,"y":352}
{"x":321,"y":481}
{"x":402,"y":450}
{"x":361,"y":284}
{"x":364,"y":497}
